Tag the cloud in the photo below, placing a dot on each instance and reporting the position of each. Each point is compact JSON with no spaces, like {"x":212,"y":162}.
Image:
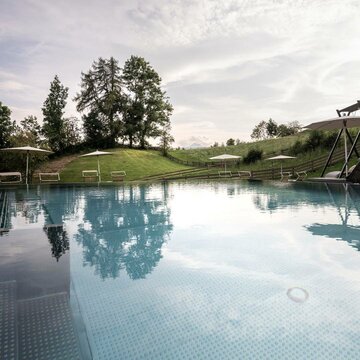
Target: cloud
{"x":230,"y":64}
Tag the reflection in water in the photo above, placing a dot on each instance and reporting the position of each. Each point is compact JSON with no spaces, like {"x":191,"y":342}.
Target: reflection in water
{"x":129,"y":234}
{"x":343,"y":197}
{"x":58,"y":239}
{"x":120,"y":228}
{"x":343,"y":231}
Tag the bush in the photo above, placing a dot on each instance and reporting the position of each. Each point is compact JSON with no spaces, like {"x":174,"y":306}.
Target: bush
{"x":253,"y":155}
{"x":314,"y":141}
{"x":297,"y":148}
{"x":329,"y":140}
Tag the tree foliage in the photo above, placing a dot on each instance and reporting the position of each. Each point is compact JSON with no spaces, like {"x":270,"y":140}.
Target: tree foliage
{"x":31,"y":130}
{"x":71,"y":131}
{"x":166,"y":139}
{"x":230,"y":142}
{"x":126,"y":104}
{"x":102,"y":96}
{"x":259,"y":131}
{"x":53,"y":111}
{"x":6,"y":126}
{"x":148,"y":110}
{"x":271,"y":129}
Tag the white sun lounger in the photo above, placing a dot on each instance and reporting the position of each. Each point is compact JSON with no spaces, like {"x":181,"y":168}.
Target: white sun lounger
{"x":225,"y":173}
{"x":118,"y":175}
{"x":49,"y":177}
{"x":10,"y":177}
{"x":90,"y":175}
{"x":244,"y":174}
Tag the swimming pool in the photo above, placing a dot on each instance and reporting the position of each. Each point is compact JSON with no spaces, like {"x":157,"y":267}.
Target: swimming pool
{"x":186,"y":270}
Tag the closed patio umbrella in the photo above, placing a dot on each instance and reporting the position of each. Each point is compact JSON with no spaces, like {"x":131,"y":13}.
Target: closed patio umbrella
{"x":28,"y":150}
{"x":225,"y":157}
{"x":98,"y":153}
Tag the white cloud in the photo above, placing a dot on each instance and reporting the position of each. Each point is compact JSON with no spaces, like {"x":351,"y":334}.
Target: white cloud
{"x":230,"y":64}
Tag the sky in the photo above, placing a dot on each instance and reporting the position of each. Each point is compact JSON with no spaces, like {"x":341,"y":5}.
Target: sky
{"x":225,"y":65}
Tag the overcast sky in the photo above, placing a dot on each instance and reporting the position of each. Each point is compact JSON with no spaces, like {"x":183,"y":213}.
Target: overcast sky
{"x":226,"y":65}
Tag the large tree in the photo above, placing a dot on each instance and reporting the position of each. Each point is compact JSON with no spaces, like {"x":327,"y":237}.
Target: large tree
{"x":6,"y":126}
{"x":31,"y":129}
{"x":259,"y":132}
{"x":53,"y":111}
{"x":102,"y":98}
{"x":148,"y":108}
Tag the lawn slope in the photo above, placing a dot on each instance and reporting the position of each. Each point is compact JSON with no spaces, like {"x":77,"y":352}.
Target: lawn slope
{"x":269,"y":147}
{"x":138,"y":164}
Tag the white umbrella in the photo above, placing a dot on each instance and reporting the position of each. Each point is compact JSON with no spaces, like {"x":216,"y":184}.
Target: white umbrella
{"x":281,"y":158}
{"x":98,"y":153}
{"x":27,"y":150}
{"x":225,"y":157}
{"x":341,"y":122}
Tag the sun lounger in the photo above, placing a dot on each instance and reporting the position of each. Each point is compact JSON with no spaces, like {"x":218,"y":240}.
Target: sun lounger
{"x":225,"y":174}
{"x":354,"y":173}
{"x":49,"y":177}
{"x":90,"y":175}
{"x":10,"y":177}
{"x":286,"y":175}
{"x":244,"y":174}
{"x":118,"y":175}
{"x":300,"y":175}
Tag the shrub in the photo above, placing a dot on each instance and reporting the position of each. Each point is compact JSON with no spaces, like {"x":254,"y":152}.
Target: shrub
{"x":314,"y":140}
{"x":253,"y":155}
{"x":329,"y":140}
{"x":297,"y":148}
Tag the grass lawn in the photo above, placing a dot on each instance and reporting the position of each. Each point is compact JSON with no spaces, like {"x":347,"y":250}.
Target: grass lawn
{"x":269,"y":146}
{"x":136,"y":163}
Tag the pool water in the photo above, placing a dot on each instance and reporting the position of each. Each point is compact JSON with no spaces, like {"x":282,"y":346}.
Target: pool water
{"x":183,"y":270}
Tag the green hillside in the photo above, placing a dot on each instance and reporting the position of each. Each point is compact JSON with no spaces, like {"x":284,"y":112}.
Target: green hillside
{"x":150,"y":165}
{"x":269,"y":146}
{"x":137,"y":164}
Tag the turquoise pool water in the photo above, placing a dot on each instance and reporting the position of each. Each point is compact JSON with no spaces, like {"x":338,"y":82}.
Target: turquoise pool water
{"x":208,"y":270}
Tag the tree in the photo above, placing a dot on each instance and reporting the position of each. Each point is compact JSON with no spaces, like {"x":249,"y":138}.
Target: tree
{"x":6,"y":126}
{"x":295,"y":127}
{"x":284,"y":130}
{"x":148,"y":109}
{"x":165,"y":139}
{"x":102,"y":96}
{"x":259,"y":131}
{"x":31,"y":129}
{"x":271,"y":128}
{"x":230,"y":142}
{"x":291,"y":128}
{"x":53,"y":111}
{"x":95,"y":132}
{"x":71,"y":131}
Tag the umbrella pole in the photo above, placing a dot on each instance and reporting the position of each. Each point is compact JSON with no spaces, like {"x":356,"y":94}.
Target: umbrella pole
{"x":99,"y":168}
{"x":225,"y":166}
{"x":346,"y":165}
{"x":27,"y":168}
